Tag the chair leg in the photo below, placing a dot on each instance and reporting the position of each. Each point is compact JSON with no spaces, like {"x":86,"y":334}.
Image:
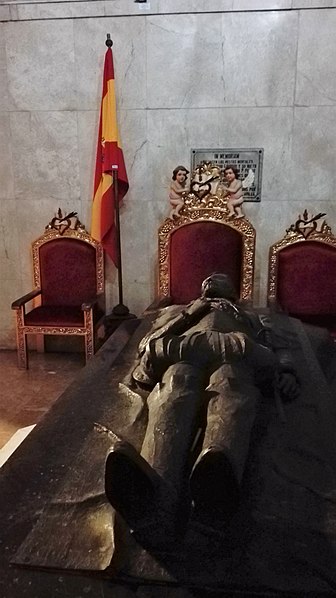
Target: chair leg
{"x":89,"y":337}
{"x":21,"y":339}
{"x":40,"y":343}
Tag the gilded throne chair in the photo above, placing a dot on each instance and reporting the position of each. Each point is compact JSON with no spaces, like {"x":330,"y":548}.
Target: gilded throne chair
{"x":302,"y":273}
{"x":200,"y":241}
{"x":68,"y":296}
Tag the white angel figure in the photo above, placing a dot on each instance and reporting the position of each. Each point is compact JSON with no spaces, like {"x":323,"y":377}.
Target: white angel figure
{"x":177,"y":190}
{"x":234,"y":190}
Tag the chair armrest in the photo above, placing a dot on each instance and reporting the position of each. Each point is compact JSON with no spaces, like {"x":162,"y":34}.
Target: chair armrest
{"x":89,"y":304}
{"x":98,"y":300}
{"x":19,"y":302}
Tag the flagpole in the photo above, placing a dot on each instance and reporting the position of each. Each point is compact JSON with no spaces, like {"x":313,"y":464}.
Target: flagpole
{"x":120,"y":309}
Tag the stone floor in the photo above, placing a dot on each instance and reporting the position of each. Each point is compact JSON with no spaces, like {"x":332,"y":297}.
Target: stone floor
{"x":26,"y":395}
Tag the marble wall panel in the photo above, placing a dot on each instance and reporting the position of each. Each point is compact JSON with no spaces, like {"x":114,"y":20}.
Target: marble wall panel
{"x":11,"y":289}
{"x":88,"y":122}
{"x":316,"y":70}
{"x":135,"y":239}
{"x":314,"y":148}
{"x":313,"y":3}
{"x":41,"y":65}
{"x":133,"y":133}
{"x":9,"y":247}
{"x":120,"y":7}
{"x":129,"y":55}
{"x":54,"y":10}
{"x":4,"y":13}
{"x":184,"y":61}
{"x":229,"y":60}
{"x":46,"y":155}
{"x":46,"y":9}
{"x":195,"y":6}
{"x":4,"y":98}
{"x":85,"y":213}
{"x":261,"y":4}
{"x":6,"y":158}
{"x":258,"y":58}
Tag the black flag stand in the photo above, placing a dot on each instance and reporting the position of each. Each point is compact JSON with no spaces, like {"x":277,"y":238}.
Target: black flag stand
{"x":120,"y":312}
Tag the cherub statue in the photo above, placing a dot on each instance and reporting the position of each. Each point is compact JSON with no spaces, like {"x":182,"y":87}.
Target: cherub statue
{"x":178,"y":188}
{"x":234,"y":190}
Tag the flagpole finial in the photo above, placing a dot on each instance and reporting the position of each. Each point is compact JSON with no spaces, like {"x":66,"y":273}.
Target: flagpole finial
{"x":109,"y":42}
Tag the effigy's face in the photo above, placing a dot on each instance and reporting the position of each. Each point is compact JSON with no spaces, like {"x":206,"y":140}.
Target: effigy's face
{"x":218,"y":285}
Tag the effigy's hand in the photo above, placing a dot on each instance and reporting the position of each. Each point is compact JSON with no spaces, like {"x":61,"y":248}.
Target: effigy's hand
{"x":198,"y":306}
{"x":288,"y":386}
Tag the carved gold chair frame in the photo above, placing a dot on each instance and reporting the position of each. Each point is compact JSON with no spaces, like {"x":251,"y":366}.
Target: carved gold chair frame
{"x":306,"y":228}
{"x":56,"y":229}
{"x":210,"y":208}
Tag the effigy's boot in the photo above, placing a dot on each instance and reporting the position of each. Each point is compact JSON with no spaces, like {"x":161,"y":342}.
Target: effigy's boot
{"x":135,"y":491}
{"x":131,"y":485}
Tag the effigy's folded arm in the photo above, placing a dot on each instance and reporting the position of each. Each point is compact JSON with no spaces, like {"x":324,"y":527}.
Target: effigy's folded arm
{"x":177,"y":324}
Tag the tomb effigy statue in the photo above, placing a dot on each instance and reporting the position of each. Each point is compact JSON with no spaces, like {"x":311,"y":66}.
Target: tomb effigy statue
{"x":200,"y":370}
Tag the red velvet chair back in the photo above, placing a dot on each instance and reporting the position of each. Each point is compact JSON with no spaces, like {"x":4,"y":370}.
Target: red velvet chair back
{"x":306,"y":278}
{"x":199,"y":249}
{"x":67,"y":272}
{"x":201,"y":242}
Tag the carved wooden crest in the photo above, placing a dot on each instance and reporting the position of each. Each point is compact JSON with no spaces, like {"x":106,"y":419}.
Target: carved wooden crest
{"x":63,"y":223}
{"x":306,"y":225}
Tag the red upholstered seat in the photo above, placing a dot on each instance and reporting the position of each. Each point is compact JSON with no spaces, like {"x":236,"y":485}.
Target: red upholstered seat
{"x":69,"y":283}
{"x":302,"y":278}
{"x":55,"y":315}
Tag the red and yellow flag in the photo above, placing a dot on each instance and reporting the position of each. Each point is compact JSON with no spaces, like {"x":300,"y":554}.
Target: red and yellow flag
{"x":109,"y":154}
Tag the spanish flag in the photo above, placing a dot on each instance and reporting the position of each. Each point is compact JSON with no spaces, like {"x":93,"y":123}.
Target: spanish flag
{"x":109,"y":154}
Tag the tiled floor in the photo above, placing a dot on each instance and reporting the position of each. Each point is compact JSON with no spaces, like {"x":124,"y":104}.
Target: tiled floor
{"x":26,"y":395}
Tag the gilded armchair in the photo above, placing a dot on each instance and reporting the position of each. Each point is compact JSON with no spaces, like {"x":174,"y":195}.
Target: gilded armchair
{"x":68,"y":290}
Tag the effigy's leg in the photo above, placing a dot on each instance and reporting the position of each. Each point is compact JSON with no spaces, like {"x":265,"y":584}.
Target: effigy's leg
{"x":219,"y":468}
{"x":148,"y":489}
{"x":173,"y":413}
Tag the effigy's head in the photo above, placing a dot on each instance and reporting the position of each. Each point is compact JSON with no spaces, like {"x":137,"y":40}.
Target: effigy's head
{"x":219,"y":285}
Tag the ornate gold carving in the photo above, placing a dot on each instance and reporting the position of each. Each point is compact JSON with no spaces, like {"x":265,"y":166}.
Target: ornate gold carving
{"x":89,"y":345}
{"x":304,"y":229}
{"x":54,"y":330}
{"x":211,"y":208}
